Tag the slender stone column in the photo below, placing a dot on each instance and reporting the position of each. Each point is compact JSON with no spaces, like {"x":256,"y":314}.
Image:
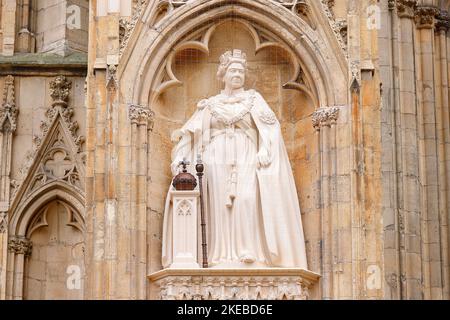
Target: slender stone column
{"x":141,"y":122}
{"x":428,"y":119}
{"x":19,"y":250}
{"x":407,"y":155}
{"x":443,"y":129}
{"x":324,"y":121}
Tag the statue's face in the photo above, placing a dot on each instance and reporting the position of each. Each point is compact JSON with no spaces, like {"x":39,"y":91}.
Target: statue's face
{"x":235,"y":76}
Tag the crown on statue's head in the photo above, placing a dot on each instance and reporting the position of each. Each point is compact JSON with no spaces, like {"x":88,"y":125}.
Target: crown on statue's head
{"x":233,"y":56}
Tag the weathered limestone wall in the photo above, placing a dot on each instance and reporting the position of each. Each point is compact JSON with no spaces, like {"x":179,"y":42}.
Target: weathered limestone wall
{"x":43,"y":26}
{"x":415,"y":137}
{"x":8,"y":27}
{"x":66,"y":31}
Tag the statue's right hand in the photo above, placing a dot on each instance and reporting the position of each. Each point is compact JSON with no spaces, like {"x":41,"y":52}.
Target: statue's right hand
{"x":263,"y":159}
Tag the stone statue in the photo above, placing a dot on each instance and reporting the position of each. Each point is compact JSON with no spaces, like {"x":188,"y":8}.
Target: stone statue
{"x":252,"y":209}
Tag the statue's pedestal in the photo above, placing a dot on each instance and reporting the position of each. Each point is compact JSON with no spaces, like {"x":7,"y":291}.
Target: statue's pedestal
{"x":185,"y":228}
{"x":232,"y":284}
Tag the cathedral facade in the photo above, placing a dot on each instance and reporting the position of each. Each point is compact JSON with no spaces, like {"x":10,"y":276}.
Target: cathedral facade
{"x":93,"y":90}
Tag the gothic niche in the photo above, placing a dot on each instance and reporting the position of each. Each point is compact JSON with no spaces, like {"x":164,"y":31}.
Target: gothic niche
{"x":55,"y":268}
{"x":188,"y":76}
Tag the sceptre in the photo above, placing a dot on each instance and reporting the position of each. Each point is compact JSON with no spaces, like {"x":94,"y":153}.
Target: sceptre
{"x":200,"y":168}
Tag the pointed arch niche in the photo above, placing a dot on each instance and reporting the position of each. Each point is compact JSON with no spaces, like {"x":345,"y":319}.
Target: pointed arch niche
{"x":55,"y":268}
{"x":46,"y":246}
{"x":170,"y":63}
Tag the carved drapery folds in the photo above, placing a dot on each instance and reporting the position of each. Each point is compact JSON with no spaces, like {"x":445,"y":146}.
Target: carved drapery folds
{"x":325,"y":117}
{"x":8,"y":110}
{"x":20,"y":245}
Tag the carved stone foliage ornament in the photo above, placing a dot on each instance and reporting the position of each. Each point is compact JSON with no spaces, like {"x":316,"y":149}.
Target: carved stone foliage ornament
{"x":20,"y":245}
{"x":60,"y":89}
{"x":339,"y":26}
{"x":8,"y":110}
{"x":425,"y":16}
{"x":405,"y":8}
{"x":325,"y":117}
{"x":127,"y":24}
{"x":443,"y":21}
{"x":140,"y":115}
{"x":59,"y":146}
